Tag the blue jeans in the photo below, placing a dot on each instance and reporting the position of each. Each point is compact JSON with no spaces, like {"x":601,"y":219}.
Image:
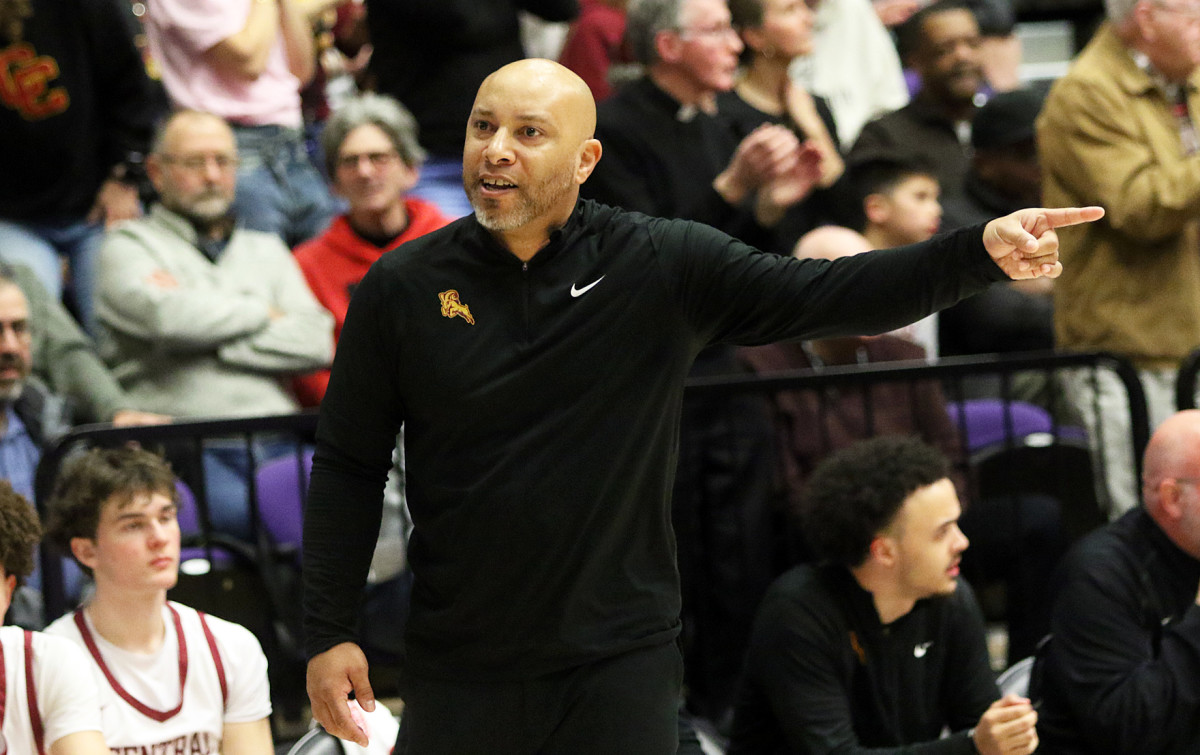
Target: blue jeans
{"x":41,"y":246}
{"x":441,"y":183}
{"x":279,"y":190}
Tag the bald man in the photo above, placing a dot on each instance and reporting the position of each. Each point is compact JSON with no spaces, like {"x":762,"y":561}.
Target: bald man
{"x":536,"y":353}
{"x":1122,"y":670}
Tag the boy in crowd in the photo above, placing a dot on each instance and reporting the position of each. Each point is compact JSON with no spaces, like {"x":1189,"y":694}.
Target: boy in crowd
{"x":171,"y":678}
{"x":899,"y":200}
{"x":45,"y":707}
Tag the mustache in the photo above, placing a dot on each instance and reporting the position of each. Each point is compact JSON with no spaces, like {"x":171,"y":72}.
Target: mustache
{"x":12,"y":360}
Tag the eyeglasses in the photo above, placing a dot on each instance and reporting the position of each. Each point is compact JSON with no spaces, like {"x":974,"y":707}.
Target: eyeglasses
{"x":197,"y":163}
{"x":712,"y":32}
{"x":18,"y":328}
{"x":377,"y":160}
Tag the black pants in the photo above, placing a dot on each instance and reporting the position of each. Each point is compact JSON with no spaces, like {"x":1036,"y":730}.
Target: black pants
{"x":627,"y":704}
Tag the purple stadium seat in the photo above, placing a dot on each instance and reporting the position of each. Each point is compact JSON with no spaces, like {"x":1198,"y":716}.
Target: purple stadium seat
{"x":987,"y":420}
{"x":281,"y":489}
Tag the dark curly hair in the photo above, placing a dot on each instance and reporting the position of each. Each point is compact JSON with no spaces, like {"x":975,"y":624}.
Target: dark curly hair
{"x":92,"y":479}
{"x":20,"y":532}
{"x":856,"y":492}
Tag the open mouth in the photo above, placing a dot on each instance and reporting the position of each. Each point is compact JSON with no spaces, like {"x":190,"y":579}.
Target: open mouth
{"x":496,"y":186}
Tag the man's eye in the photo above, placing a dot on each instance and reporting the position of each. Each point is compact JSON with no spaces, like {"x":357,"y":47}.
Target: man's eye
{"x":531,"y":132}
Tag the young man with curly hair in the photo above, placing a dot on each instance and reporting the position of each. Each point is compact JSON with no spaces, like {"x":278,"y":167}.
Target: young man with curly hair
{"x":45,"y":707}
{"x":879,"y":645}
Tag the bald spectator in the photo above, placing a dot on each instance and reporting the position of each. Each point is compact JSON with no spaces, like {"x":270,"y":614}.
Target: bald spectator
{"x":1119,"y":130}
{"x":1120,"y":674}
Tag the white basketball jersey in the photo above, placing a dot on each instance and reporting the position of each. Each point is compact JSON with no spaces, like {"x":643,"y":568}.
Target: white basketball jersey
{"x":43,"y":698}
{"x":176,"y":699}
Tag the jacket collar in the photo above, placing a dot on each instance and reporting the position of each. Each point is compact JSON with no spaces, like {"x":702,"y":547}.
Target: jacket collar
{"x":1180,"y":563}
{"x":559,"y":238}
{"x":179,"y":225}
{"x":45,"y":415}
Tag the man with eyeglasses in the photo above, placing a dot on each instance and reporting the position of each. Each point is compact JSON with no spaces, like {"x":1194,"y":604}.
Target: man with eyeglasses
{"x":1121,"y":671}
{"x":374,"y":159}
{"x":668,"y":153}
{"x":1120,"y":129}
{"x":199,"y":316}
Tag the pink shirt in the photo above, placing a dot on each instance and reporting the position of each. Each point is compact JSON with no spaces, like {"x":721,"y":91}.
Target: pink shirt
{"x":180,"y":32}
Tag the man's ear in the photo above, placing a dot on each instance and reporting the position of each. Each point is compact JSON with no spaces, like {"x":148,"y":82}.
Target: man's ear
{"x":84,"y":551}
{"x":412,"y":176}
{"x":154,"y":170}
{"x":883,"y":550}
{"x":1170,"y":499}
{"x":1140,"y":15}
{"x":589,"y":155}
{"x":668,"y":45}
{"x":10,"y":586}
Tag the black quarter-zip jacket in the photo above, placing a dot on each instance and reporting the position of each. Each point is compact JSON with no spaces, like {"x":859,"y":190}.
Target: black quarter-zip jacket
{"x":541,"y":403}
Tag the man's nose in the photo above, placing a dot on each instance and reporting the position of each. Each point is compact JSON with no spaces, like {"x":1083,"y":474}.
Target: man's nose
{"x":160,"y":531}
{"x":213,"y":171}
{"x":499,"y":148}
{"x":735,"y":43}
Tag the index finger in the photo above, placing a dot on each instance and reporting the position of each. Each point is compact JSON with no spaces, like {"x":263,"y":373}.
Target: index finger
{"x":1057,"y":217}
